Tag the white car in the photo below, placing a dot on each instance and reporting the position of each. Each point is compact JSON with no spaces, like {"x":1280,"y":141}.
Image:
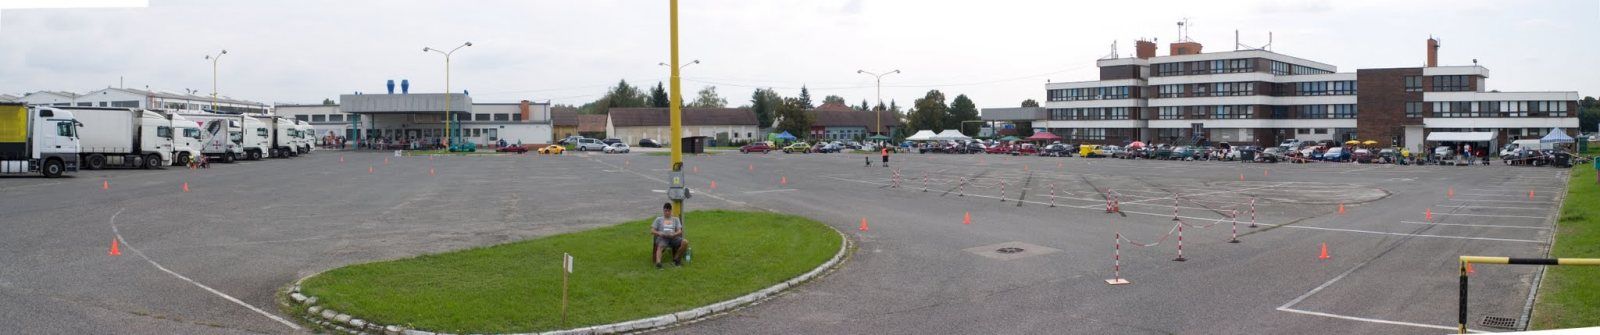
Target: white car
{"x":616,"y":148}
{"x":586,"y":144}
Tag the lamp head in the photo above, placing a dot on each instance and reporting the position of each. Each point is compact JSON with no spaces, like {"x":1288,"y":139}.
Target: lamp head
{"x":896,"y":71}
{"x":697,"y":61}
{"x":662,"y":64}
{"x":469,"y":44}
{"x":861,"y":71}
{"x":224,"y":51}
{"x":426,"y":49}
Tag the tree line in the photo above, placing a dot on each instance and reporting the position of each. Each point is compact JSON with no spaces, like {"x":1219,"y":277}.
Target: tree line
{"x":930,"y":112}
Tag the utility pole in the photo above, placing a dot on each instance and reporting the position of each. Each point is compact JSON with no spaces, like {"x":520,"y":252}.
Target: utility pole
{"x":675,"y":107}
{"x":214,"y":60}
{"x":877,"y":114}
{"x":449,"y":139}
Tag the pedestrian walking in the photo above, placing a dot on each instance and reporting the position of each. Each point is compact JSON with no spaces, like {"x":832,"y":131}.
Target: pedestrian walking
{"x":885,"y":156}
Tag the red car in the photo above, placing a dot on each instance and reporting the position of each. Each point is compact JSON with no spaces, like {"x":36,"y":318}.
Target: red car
{"x":760,"y":147}
{"x":1024,"y":149}
{"x":515,"y":148}
{"x":998,"y":149}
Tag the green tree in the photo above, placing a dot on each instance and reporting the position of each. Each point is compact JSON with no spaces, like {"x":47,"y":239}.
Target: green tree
{"x":928,"y":113}
{"x":863,"y":106}
{"x":833,"y":99}
{"x":1588,"y":114}
{"x":764,"y":102}
{"x":805,"y":98}
{"x":708,"y":98}
{"x":962,"y":109}
{"x":792,"y":117}
{"x":1025,"y":128}
{"x":1030,"y":103}
{"x":659,"y":98}
{"x":621,"y":96}
{"x":328,"y":102}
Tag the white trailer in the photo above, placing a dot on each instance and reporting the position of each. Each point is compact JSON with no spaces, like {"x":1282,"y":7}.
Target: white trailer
{"x":220,"y":134}
{"x":37,"y":140}
{"x":187,"y":141}
{"x":123,"y":137}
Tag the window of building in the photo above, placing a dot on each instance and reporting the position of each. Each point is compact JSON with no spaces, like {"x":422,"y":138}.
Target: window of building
{"x":1314,"y":111}
{"x":1169,"y":113}
{"x":516,"y":116}
{"x":1233,"y":89}
{"x":125,"y":104}
{"x":1117,"y":113}
{"x":85,"y":104}
{"x":1450,"y":83}
{"x":1169,"y":69}
{"x":1280,"y":68}
{"x":1413,"y":109}
{"x":1346,"y":111}
{"x":303,"y":117}
{"x":1170,"y":91}
{"x":336,"y":118}
{"x":1553,"y":108}
{"x":102,"y":104}
{"x":502,"y":117}
{"x":1320,"y":130}
{"x":1302,"y":131}
{"x":1413,"y":83}
{"x":319,"y":118}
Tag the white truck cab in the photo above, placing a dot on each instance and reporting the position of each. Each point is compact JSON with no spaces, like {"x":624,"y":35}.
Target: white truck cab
{"x":186,"y":141}
{"x":37,"y":140}
{"x":255,"y":137}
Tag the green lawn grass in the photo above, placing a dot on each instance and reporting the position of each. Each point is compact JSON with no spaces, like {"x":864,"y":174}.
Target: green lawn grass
{"x":516,"y":287}
{"x":1570,"y":295}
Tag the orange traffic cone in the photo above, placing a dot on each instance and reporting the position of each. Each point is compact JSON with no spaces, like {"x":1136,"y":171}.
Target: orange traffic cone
{"x":1266,"y":173}
{"x":341,"y":158}
{"x":185,"y":186}
{"x":752,"y":167}
{"x":369,"y":169}
{"x":713,"y":184}
{"x":114,"y":250}
{"x":1428,"y":214}
{"x":105,"y":184}
{"x":1469,"y":268}
{"x":1341,"y":208}
{"x":1324,"y":251}
{"x":1450,"y":193}
{"x":967,"y":218}
{"x":430,"y":172}
{"x":863,"y":224}
{"x":1530,"y":197}
{"x":1241,"y":177}
{"x":783,"y":180}
{"x":1024,"y":167}
{"x":386,"y":160}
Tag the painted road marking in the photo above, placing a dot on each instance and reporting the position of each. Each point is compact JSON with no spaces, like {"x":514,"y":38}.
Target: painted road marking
{"x":1474,"y":225}
{"x":129,"y":246}
{"x":770,"y":191}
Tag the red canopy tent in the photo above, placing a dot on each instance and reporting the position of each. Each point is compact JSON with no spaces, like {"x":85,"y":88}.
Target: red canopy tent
{"x":1043,"y":136}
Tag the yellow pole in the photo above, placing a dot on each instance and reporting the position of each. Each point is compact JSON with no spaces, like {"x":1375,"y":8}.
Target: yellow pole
{"x":448,"y":146}
{"x":675,"y":111}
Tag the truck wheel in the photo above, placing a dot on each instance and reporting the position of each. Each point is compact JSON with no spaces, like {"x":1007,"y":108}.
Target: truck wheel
{"x":152,"y":161}
{"x":95,"y":162}
{"x":53,"y":168}
{"x":229,"y":158}
{"x":183,"y":159}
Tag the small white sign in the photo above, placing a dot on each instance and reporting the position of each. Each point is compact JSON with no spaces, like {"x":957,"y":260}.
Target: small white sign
{"x":566,"y":262}
{"x":397,"y":153}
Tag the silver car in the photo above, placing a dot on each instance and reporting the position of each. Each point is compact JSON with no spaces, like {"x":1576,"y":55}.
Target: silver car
{"x":588,"y":144}
{"x":616,"y":148}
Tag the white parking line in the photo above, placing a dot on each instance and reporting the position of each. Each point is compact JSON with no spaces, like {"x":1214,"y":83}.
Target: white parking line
{"x":770,"y":191}
{"x":1474,"y":225}
{"x":1491,"y":215}
{"x":1497,"y":207}
{"x":1286,"y":307}
{"x":129,"y":246}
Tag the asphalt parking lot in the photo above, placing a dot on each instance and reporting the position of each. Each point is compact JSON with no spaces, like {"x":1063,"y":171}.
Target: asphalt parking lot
{"x":210,"y":260}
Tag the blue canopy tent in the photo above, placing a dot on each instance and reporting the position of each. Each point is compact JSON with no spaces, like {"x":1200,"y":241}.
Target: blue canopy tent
{"x":786,"y":136}
{"x":1556,"y":136}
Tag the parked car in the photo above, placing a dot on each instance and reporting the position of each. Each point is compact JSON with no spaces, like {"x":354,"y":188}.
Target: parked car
{"x":800,"y":147}
{"x":552,"y":150}
{"x":616,"y":148}
{"x":760,"y":147}
{"x":649,"y":143}
{"x":587,"y":144}
{"x":998,"y":149}
{"x":569,"y":140}
{"x":823,"y":148}
{"x":1182,"y":153}
{"x":610,"y":141}
{"x":1025,"y":149}
{"x":1271,"y":155}
{"x":515,"y":148}
{"x":1090,"y":151}
{"x":1111,"y":151}
{"x":1336,"y":154}
{"x":1056,"y":150}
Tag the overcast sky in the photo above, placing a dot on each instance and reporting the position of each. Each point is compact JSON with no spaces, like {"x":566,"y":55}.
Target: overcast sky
{"x":997,"y":52}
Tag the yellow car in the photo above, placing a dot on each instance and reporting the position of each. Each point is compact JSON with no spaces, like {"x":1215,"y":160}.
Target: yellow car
{"x":1090,"y":150}
{"x":552,"y":150}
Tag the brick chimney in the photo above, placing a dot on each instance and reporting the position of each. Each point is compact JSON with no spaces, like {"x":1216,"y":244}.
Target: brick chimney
{"x":1185,"y":48}
{"x":1433,"y":52}
{"x":1144,"y":49}
{"x":524,"y":107}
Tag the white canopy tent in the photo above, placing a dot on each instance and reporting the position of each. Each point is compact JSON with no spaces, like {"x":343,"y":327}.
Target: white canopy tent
{"x":921,"y":135}
{"x":950,"y":135}
{"x":1449,"y":136}
{"x":1556,"y":136}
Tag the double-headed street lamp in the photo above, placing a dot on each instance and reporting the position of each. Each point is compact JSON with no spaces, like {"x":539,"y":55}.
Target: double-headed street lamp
{"x":878,"y":113}
{"x":449,"y":139}
{"x":214,"y":60}
{"x":697,"y":61}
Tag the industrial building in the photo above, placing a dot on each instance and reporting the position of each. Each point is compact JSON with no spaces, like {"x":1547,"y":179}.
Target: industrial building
{"x":1256,"y":96}
{"x":147,"y":99}
{"x":420,"y":117}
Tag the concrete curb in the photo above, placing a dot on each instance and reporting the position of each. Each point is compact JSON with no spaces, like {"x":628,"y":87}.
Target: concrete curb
{"x":328,"y":318}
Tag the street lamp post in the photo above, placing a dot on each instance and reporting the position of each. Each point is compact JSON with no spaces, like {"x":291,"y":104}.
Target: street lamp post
{"x":675,"y":106}
{"x":693,"y":62}
{"x":448,"y":134}
{"x":214,"y":60}
{"x":878,"y":114}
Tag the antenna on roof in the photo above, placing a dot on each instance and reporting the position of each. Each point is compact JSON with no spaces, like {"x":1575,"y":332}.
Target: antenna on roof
{"x":1238,"y":44}
{"x":1113,"y":54}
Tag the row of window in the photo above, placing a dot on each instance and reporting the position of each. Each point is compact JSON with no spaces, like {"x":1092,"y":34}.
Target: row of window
{"x":1107,"y":113}
{"x":1342,"y":87}
{"x":1451,"y":83}
{"x":1495,"y":109}
{"x":1206,"y":67}
{"x":1206,"y":112}
{"x":1285,"y":69}
{"x":321,"y":117}
{"x":1090,"y":93}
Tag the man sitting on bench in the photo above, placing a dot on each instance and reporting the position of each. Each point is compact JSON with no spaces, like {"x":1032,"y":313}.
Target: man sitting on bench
{"x":668,"y":233}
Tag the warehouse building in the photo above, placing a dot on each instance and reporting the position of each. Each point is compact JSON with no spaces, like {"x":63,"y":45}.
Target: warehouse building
{"x":725,"y":125}
{"x":1256,"y":96}
{"x":420,"y":117}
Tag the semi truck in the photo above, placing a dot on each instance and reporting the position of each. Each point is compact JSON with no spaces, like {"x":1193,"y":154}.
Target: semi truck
{"x":220,"y":135}
{"x":187,"y":141}
{"x":308,"y":136}
{"x":40,"y":140}
{"x":123,"y":137}
{"x":282,"y":138}
{"x":256,"y":137}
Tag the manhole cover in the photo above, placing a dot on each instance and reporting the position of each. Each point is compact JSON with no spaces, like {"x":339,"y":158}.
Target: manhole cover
{"x":1499,"y":322}
{"x":1008,"y":250}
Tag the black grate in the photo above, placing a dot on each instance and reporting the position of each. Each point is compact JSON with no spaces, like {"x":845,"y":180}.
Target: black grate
{"x":1008,"y":250}
{"x":1499,"y":322}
